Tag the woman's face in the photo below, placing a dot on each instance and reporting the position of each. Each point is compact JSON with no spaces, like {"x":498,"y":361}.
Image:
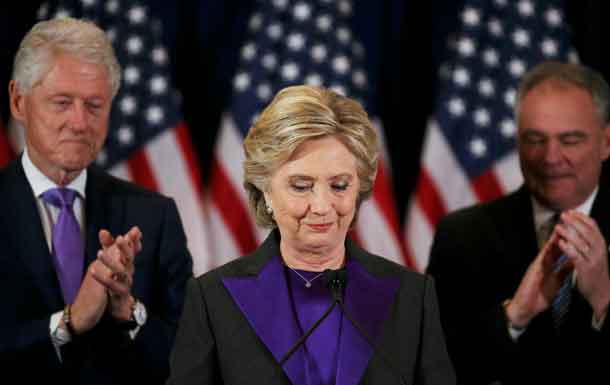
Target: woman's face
{"x":313,"y":196}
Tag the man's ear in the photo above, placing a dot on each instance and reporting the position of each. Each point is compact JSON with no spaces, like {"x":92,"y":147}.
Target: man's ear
{"x":16,"y":101}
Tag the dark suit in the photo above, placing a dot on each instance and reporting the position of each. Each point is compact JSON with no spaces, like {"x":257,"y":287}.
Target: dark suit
{"x":30,"y":292}
{"x":478,"y":259}
{"x":238,"y":322}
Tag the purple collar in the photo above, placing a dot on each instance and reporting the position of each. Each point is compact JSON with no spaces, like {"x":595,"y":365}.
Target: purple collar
{"x":264,"y":299}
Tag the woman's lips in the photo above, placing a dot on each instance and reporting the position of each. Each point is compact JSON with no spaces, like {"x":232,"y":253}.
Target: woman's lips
{"x":320,"y":228}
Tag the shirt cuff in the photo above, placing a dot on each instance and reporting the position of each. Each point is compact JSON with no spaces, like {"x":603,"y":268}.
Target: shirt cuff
{"x":59,"y":336}
{"x":598,"y":324}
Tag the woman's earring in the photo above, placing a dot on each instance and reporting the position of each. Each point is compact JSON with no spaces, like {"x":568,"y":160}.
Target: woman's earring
{"x":268,"y":208}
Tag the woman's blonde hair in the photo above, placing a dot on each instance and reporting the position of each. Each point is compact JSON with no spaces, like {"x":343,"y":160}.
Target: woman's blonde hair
{"x":297,"y":114}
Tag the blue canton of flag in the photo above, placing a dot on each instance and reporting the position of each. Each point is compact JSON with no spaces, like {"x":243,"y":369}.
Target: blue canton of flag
{"x":288,"y":43}
{"x":469,"y":152}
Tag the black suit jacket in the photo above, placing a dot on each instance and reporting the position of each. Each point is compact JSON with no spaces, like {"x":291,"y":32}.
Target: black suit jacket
{"x":216,"y":343}
{"x":30,"y":292}
{"x":478,"y":259}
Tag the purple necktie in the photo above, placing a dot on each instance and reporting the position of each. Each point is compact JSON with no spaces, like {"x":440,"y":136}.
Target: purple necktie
{"x":68,"y":245}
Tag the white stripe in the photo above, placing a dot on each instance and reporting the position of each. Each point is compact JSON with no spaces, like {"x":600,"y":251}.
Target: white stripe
{"x":375,"y":233}
{"x":172,"y":173}
{"x":223,"y":248}
{"x":508,"y":173}
{"x":445,"y":171}
{"x":229,"y":151}
{"x":419,"y":235}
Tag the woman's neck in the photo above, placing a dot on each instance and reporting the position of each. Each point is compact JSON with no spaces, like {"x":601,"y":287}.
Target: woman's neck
{"x":312,"y":260}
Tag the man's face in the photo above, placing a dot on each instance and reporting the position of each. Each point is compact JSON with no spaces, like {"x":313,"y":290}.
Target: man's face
{"x":65,"y":116}
{"x":562,"y":144}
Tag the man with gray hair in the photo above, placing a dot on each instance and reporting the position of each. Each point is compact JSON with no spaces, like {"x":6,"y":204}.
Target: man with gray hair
{"x":79,"y":305}
{"x":523,"y":281}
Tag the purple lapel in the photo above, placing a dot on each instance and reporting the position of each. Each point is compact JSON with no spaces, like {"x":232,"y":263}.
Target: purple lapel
{"x":265,"y":301}
{"x":368,"y":300}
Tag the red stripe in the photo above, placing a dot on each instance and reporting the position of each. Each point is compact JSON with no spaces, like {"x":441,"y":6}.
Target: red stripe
{"x":384,"y":196}
{"x":486,"y":186}
{"x":183,"y":137}
{"x":140,"y":170}
{"x":429,"y":199}
{"x":233,"y":212}
{"x":6,"y":152}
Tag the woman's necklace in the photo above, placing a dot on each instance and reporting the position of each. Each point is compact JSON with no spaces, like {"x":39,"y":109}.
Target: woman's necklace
{"x":307,"y":281}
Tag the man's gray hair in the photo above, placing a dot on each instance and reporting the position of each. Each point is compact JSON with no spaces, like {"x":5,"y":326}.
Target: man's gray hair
{"x":50,"y":38}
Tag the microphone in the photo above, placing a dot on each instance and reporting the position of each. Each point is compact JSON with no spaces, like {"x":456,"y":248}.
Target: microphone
{"x":335,"y":281}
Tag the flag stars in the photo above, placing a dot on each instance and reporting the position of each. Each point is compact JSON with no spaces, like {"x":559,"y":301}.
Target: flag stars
{"x":481,"y":117}
{"x":128,"y":105}
{"x":345,"y":7}
{"x":159,"y":55}
{"x":471,"y":17}
{"x":516,"y":67}
{"x":132,"y":75}
{"x":136,"y":15}
{"x":263,"y":91}
{"x":61,"y":13}
{"x":43,"y":11}
{"x":241,"y":81}
{"x":549,"y":47}
{"x":154,"y":115}
{"x":508,"y":128}
{"x":341,"y":64}
{"x":295,"y":41}
{"x":88,"y":3}
{"x":359,"y":78}
{"x":521,"y":38}
{"x":314,"y":80}
{"x":302,"y":11}
{"x":134,"y":45}
{"x":269,"y":61}
{"x":461,"y":76}
{"x":456,"y":106}
{"x":501,"y":3}
{"x":248,"y":51}
{"x":102,"y":157}
{"x":112,"y":6}
{"x":490,"y":57}
{"x":466,"y":46}
{"x":510,"y":97}
{"x":324,"y":23}
{"x":486,"y":87}
{"x":274,"y":31}
{"x":319,"y":53}
{"x":290,"y":71}
{"x":526,"y":8}
{"x":553,"y":17}
{"x":158,"y":85}
{"x":255,"y":22}
{"x":495,"y":27}
{"x":478,"y":147}
{"x":111,"y":33}
{"x":125,"y":135}
{"x":357,"y":49}
{"x":344,"y":35}
{"x":280,"y":4}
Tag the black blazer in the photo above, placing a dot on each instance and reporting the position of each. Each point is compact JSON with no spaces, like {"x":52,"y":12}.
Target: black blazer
{"x":30,"y":292}
{"x":218,"y":344}
{"x":478,"y":259}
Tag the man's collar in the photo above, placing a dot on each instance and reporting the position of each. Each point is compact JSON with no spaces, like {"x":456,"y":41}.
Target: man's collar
{"x":41,"y":183}
{"x":542,"y":214}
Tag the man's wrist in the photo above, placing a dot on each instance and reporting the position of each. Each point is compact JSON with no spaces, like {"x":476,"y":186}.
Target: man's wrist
{"x":66,"y":320}
{"x":514,"y":321}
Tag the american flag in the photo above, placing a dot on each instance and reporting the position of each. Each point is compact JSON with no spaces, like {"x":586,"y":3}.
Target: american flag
{"x":469,"y":152}
{"x":6,"y":152}
{"x":147,"y":143}
{"x":292,"y":42}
